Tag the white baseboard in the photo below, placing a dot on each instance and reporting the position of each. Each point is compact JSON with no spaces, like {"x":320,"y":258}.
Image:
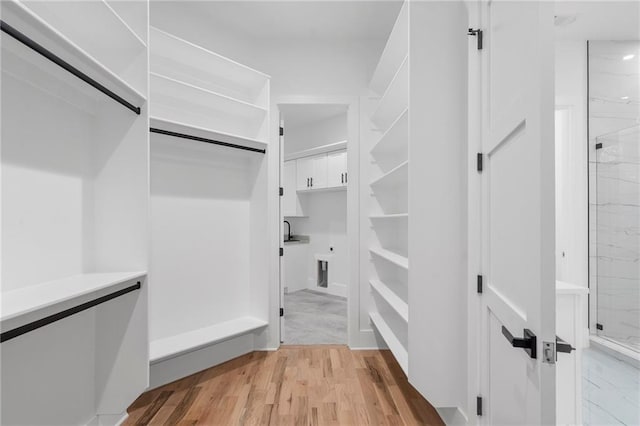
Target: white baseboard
{"x":617,"y":351}
{"x":452,"y":416}
{"x":108,"y":419}
{"x":173,"y":369}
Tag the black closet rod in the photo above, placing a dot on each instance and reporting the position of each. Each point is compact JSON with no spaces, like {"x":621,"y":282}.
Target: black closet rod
{"x":65,"y":65}
{"x":19,"y":331}
{"x":199,"y":139}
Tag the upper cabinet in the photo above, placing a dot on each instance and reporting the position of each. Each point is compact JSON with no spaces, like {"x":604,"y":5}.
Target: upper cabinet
{"x":337,"y":169}
{"x":323,"y":171}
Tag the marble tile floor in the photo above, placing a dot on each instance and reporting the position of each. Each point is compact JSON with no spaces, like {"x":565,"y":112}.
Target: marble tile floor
{"x":610,"y":390}
{"x":313,"y":318}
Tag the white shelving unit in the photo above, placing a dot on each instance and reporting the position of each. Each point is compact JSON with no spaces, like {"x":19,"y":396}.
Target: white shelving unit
{"x":209,"y":239}
{"x":389,"y":214}
{"x":193,"y":86}
{"x":419,"y":285}
{"x":75,"y":212}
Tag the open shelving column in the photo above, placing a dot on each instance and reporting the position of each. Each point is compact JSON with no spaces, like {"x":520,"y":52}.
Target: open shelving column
{"x":209,"y":131}
{"x":388,"y":212}
{"x":74,"y":212}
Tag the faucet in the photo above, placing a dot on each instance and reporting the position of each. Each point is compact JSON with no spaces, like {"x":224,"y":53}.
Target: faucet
{"x":289,"y":232}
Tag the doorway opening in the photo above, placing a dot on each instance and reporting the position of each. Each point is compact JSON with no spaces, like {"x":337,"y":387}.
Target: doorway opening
{"x":314,"y":270}
{"x":597,"y":141}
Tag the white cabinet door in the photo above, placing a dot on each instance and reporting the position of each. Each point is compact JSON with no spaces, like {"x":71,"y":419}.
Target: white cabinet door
{"x":304,"y":172}
{"x":336,"y":169}
{"x":517,"y":314}
{"x":319,"y":176}
{"x":289,"y":202}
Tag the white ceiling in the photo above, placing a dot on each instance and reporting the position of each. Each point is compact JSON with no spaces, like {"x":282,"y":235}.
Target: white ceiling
{"x":301,"y":19}
{"x":302,"y":115}
{"x":598,"y":20}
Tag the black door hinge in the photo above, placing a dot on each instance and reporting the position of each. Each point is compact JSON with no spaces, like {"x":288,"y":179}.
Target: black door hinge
{"x":479,"y":162}
{"x":477,"y":33}
{"x":281,"y":251}
{"x":599,"y":327}
{"x":281,"y":131}
{"x":281,"y":191}
{"x":480,"y":284}
{"x":479,"y":405}
{"x":281,"y":312}
{"x":599,"y":145}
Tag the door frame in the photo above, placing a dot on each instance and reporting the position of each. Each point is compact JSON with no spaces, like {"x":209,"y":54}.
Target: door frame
{"x":358,"y":334}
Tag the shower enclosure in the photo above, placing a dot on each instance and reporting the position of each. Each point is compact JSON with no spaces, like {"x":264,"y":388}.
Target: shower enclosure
{"x":614,"y":191}
{"x":618,"y":236}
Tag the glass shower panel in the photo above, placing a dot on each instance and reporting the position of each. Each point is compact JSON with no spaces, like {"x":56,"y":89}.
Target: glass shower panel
{"x":618,"y":236}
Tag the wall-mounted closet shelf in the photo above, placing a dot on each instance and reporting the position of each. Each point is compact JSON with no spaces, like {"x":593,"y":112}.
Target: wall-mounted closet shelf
{"x":199,"y":134}
{"x":331,"y":147}
{"x":36,"y":47}
{"x":394,"y":177}
{"x":189,"y":94}
{"x":58,"y":316}
{"x":390,"y":256}
{"x":185,"y":61}
{"x":399,"y":306}
{"x":26,"y":300}
{"x":393,"y":54}
{"x":394,"y":140}
{"x":173,"y":346}
{"x":312,"y":190}
{"x":396,"y":347}
{"x":395,"y":99}
{"x":389,"y":216}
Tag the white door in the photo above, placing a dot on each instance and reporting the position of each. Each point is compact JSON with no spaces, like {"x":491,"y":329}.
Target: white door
{"x":336,"y":169}
{"x":319,"y":176}
{"x":281,"y":229}
{"x":517,"y":226}
{"x":304,"y":172}
{"x":289,"y":183}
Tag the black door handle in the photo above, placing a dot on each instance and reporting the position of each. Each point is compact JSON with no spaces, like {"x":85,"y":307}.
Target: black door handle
{"x":529,"y":342}
{"x":562,"y":346}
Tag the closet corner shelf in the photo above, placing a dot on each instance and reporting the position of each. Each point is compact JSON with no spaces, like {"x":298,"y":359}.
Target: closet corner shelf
{"x":399,"y":352}
{"x":173,"y":346}
{"x":394,"y":177}
{"x":207,"y":135}
{"x":398,"y":305}
{"x":46,"y":296}
{"x":390,"y":256}
{"x":17,"y":19}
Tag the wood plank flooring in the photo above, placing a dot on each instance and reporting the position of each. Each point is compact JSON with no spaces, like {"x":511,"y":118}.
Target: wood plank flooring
{"x":295,"y":385}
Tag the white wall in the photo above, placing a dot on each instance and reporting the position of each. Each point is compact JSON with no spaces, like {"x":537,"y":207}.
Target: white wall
{"x":571,"y":164}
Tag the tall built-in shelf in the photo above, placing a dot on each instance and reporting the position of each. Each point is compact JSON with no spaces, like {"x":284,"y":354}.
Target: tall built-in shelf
{"x":388,"y":177}
{"x":209,"y":136}
{"x":75,"y":202}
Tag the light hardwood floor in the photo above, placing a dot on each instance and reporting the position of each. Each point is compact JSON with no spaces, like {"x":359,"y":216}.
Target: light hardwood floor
{"x":295,"y":385}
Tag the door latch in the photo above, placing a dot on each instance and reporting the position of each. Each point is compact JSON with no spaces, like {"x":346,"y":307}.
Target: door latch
{"x":528,"y":342}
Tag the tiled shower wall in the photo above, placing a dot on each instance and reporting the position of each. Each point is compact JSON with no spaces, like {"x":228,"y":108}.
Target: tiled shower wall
{"x":614,"y":190}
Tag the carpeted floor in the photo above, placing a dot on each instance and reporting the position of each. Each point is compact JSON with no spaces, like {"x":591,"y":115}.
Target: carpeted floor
{"x":312,"y":318}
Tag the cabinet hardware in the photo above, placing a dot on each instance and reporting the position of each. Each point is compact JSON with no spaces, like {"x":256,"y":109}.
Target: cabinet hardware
{"x":346,"y":177}
{"x":479,"y":405}
{"x":341,"y":177}
{"x":528,"y":342}
{"x":307,"y":182}
{"x":311,"y":180}
{"x":31,"y":44}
